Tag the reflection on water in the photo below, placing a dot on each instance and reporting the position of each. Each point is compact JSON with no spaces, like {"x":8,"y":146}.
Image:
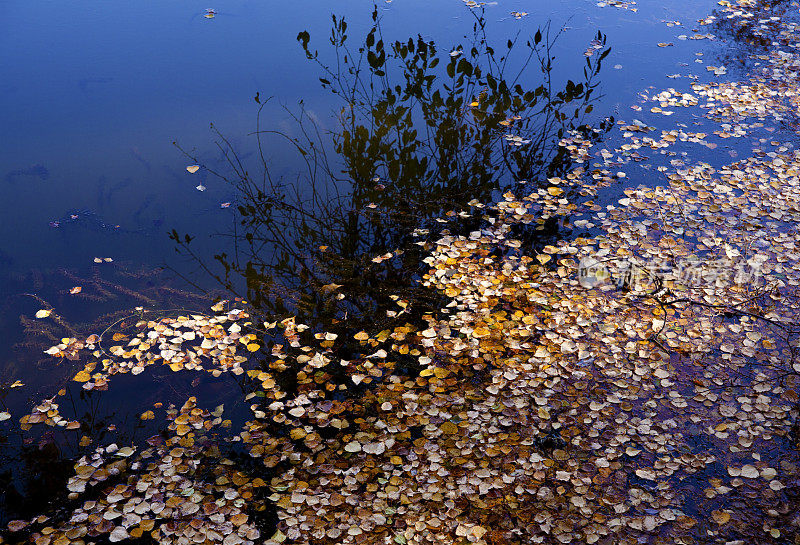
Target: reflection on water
{"x":422,"y":133}
{"x":37,"y":171}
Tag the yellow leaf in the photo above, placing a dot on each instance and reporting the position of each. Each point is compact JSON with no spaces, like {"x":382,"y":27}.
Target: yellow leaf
{"x":720,"y":517}
{"x":75,"y":290}
{"x":555,"y":191}
{"x":253,"y":347}
{"x":43,"y":313}
{"x":449,"y":428}
{"x":82,"y":376}
{"x":191,"y":169}
{"x":361,"y":336}
{"x":543,"y":258}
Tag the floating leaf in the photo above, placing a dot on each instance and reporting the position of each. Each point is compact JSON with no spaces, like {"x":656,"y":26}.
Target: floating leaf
{"x":749,"y":472}
{"x":721,"y":517}
{"x":82,"y":376}
{"x":449,"y":428}
{"x":118,"y":534}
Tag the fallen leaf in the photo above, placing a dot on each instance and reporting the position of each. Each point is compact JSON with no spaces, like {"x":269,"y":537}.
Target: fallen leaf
{"x":720,"y":517}
{"x":82,"y":376}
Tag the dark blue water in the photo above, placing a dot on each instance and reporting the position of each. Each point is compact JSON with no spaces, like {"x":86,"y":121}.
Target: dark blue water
{"x":92,"y":96}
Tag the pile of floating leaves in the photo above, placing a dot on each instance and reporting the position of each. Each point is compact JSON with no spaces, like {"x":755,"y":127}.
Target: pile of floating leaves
{"x":186,"y":342}
{"x":178,"y":490}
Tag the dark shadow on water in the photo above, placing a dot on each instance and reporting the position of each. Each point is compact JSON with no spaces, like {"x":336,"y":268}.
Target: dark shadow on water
{"x":422,"y":136}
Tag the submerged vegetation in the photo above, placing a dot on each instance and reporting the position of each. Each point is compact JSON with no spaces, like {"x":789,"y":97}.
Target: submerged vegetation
{"x":445,"y":338}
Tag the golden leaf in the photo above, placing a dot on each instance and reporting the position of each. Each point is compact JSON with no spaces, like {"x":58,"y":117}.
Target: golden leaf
{"x":449,"y":428}
{"x":720,"y":517}
{"x":82,"y":376}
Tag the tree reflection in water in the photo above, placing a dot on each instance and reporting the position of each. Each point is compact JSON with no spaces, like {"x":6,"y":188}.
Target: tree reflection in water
{"x":422,"y":135}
